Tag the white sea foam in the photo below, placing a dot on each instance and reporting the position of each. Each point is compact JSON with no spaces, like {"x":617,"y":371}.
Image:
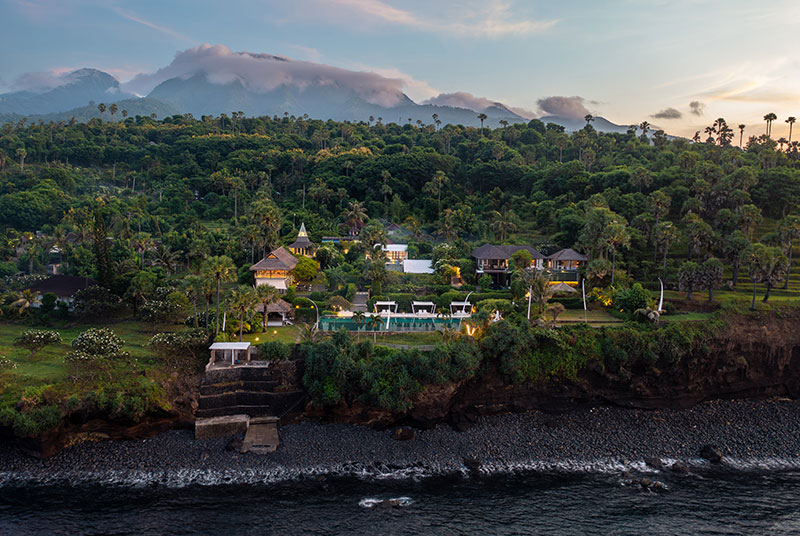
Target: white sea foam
{"x":372,"y":502}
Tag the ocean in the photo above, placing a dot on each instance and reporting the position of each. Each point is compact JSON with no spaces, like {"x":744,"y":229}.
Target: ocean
{"x":710,"y":500}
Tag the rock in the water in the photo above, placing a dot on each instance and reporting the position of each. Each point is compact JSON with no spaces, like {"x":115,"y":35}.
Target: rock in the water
{"x":711,"y":453}
{"x":473,"y":464}
{"x":655,"y":463}
{"x":680,"y":467}
{"x":403,"y":434}
{"x":235,"y":444}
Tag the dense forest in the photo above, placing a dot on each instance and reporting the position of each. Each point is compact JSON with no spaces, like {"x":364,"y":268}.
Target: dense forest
{"x":174,"y":191}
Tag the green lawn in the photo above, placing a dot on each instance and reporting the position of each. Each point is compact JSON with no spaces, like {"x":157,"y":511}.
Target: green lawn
{"x":593,"y":316}
{"x":423,"y":338}
{"x":286,"y":334}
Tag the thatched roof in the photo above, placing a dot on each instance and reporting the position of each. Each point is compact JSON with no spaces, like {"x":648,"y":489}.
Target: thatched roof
{"x":63,"y":286}
{"x":280,"y":306}
{"x":563,"y":288}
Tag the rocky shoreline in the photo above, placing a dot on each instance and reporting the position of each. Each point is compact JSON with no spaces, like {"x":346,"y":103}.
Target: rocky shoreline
{"x":748,"y":433}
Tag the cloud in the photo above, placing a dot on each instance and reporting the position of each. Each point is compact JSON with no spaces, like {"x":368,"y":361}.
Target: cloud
{"x":462,"y":99}
{"x":261,"y":73}
{"x":667,"y":113}
{"x":157,"y":27}
{"x":40,"y":82}
{"x":568,"y":107}
{"x":489,"y":18}
{"x":697,"y":108}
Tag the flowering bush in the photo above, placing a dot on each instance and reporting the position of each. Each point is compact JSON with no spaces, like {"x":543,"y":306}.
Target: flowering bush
{"x":100,"y":342}
{"x":36,"y":339}
{"x":6,"y":364}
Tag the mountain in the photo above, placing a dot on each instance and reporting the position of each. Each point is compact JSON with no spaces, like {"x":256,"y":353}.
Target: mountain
{"x":198,"y":96}
{"x":600,"y":124}
{"x":135,"y":106}
{"x":68,"y":91}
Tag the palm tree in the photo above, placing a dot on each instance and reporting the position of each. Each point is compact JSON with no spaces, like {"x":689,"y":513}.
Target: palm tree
{"x":769,"y":118}
{"x":616,"y":236}
{"x":588,"y":118}
{"x":359,"y":317}
{"x":113,"y":109}
{"x":27,"y":299}
{"x":788,"y":230}
{"x":791,"y":120}
{"x":266,"y":296}
{"x":309,"y":334}
{"x":21,"y":154}
{"x":243,"y":299}
{"x":355,"y":215}
{"x":483,"y":117}
{"x":141,"y":242}
{"x":374,"y":322}
{"x":645,"y":126}
{"x":218,"y":269}
{"x":502,"y":224}
{"x":741,"y":134}
{"x":102,"y":108}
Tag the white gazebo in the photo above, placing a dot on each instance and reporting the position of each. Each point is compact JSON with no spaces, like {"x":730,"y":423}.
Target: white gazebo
{"x":235,"y":350}
{"x":385,"y":307}
{"x":423,"y":307}
{"x":462,"y":308}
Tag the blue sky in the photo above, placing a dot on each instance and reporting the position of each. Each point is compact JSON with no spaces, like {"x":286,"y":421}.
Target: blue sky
{"x":627,"y":60}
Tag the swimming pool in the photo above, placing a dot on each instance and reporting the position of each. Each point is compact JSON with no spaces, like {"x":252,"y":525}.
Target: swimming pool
{"x":392,"y":324}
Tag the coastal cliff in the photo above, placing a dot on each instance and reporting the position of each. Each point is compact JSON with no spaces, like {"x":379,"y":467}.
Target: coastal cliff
{"x":751,"y":356}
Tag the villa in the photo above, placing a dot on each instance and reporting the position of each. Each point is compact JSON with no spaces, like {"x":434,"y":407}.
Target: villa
{"x":275,"y":269}
{"x":494,"y":261}
{"x":302,"y":247}
{"x":395,"y":253}
{"x":564,"y":266}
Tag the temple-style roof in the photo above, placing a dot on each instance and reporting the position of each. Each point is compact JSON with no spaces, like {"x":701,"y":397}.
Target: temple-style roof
{"x":491,"y":251}
{"x":278,"y":259}
{"x":567,"y":254}
{"x":63,"y":286}
{"x":302,"y":241}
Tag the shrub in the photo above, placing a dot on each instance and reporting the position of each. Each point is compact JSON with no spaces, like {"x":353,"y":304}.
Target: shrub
{"x":100,"y":342}
{"x":275,"y":351}
{"x":36,"y":339}
{"x":183,"y":350}
{"x":6,"y":364}
{"x":630,"y":299}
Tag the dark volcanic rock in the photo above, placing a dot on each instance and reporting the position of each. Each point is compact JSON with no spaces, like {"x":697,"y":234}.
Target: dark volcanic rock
{"x":655,"y":463}
{"x":680,"y":468}
{"x":711,"y":453}
{"x":403,"y":434}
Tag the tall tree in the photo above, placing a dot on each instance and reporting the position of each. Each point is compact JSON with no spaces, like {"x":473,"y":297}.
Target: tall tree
{"x":791,"y":120}
{"x":483,"y":117}
{"x":220,"y":269}
{"x":788,"y":230}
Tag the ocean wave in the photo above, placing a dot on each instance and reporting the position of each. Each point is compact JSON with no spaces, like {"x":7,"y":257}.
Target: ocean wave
{"x":372,"y":502}
{"x":179,"y":478}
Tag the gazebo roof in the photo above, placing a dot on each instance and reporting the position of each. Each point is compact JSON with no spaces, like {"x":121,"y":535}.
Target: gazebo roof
{"x":302,"y":241}
{"x":280,"y":306}
{"x":567,"y":254}
{"x":563,"y":288}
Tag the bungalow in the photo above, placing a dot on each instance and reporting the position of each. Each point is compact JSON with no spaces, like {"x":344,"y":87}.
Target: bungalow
{"x":565,"y":264}
{"x":275,"y":269}
{"x":494,"y":261}
{"x":63,"y":286}
{"x":302,"y":246}
{"x":395,"y":253}
{"x":278,"y":312}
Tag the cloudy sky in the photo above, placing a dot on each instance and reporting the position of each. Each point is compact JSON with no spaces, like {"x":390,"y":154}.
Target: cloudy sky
{"x":679,"y":64}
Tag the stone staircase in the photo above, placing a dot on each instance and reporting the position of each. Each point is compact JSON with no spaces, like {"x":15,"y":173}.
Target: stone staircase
{"x":360,"y":302}
{"x":232,"y":398}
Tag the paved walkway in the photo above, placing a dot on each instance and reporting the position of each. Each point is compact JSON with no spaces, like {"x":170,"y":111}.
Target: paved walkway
{"x":262,"y":435}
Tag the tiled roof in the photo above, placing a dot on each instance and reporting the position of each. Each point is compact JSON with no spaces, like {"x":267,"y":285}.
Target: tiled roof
{"x":62,"y":286}
{"x":567,"y":254}
{"x":491,"y":251}
{"x":278,"y":259}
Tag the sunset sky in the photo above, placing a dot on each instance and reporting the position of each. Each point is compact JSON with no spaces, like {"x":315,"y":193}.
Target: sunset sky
{"x":626,"y":60}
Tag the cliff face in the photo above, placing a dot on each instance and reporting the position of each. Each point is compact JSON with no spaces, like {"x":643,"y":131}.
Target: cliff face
{"x":754,"y":356}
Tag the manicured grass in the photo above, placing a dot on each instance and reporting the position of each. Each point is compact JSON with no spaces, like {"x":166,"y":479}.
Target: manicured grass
{"x":593,"y":316}
{"x":285,"y":334}
{"x":424,"y":338}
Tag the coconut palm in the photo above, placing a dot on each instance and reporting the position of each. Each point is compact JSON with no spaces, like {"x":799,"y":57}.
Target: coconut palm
{"x":219,"y":269}
{"x":359,"y":318}
{"x":192,"y":285}
{"x":242,"y":300}
{"x":616,"y":236}
{"x":374,"y":323}
{"x":308,"y":333}
{"x":25,"y":300}
{"x":502,"y":224}
{"x":791,"y":121}
{"x":355,"y":214}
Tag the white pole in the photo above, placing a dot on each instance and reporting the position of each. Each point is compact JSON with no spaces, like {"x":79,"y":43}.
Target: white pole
{"x":224,"y":319}
{"x":661,"y":300}
{"x":583,"y":291}
{"x":530,"y":295}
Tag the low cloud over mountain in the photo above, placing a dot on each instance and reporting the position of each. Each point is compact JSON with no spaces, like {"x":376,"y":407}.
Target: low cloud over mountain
{"x":262,"y":73}
{"x":568,"y":107}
